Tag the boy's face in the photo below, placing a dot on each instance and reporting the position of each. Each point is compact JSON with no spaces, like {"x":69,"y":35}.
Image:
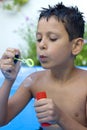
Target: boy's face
{"x":53,"y":45}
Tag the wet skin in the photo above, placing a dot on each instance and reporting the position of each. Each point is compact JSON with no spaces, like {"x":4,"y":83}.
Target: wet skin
{"x":65,"y":85}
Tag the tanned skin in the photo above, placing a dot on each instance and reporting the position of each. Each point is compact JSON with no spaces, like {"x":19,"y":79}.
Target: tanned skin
{"x":65,"y":85}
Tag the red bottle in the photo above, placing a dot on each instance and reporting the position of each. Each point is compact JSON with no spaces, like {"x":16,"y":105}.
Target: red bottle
{"x":41,"y":95}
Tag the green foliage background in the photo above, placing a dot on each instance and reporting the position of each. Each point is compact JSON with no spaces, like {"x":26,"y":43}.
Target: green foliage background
{"x":11,"y":5}
{"x":81,"y":58}
{"x":28,"y":33}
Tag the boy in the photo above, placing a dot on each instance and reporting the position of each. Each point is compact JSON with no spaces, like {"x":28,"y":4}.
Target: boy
{"x":59,"y":39}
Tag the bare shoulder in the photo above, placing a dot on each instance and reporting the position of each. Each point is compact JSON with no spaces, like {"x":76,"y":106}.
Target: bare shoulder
{"x":82,"y":72}
{"x":81,"y":75}
{"x":35,"y":79}
{"x":39,"y":75}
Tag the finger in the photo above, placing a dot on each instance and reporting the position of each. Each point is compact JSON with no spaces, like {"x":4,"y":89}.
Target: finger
{"x":40,"y":102}
{"x":42,"y":114}
{"x":14,"y":50}
{"x":7,"y":68}
{"x":46,"y":119}
{"x":41,"y":108}
{"x":10,"y":53}
{"x":7,"y":74}
{"x":6,"y":63}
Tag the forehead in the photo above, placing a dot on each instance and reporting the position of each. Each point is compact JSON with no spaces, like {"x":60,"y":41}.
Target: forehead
{"x":52,"y":24}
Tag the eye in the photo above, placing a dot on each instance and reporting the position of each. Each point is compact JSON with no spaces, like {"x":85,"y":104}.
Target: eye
{"x":39,"y":39}
{"x":53,"y":39}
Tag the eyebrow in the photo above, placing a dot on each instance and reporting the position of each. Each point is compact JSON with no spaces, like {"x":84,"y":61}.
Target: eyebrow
{"x":50,"y":32}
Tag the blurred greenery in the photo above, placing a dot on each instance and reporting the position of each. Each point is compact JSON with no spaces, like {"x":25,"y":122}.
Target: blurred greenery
{"x":11,"y":5}
{"x":28,"y":34}
{"x":81,"y":58}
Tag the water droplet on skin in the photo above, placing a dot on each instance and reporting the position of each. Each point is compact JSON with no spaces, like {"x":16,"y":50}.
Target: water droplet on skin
{"x":27,"y":82}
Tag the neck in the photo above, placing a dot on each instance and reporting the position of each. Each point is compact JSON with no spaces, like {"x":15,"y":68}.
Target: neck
{"x":62,"y":73}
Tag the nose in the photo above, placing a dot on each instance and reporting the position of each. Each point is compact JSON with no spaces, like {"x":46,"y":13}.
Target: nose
{"x":42,"y":44}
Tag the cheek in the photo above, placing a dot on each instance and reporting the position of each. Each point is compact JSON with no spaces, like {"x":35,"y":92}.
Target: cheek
{"x":54,"y":51}
{"x":60,"y":53}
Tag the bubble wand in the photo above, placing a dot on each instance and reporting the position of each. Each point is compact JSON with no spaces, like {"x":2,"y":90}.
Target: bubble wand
{"x":29,"y":62}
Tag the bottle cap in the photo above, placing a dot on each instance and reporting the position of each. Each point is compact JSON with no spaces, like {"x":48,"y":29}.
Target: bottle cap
{"x":41,"y":95}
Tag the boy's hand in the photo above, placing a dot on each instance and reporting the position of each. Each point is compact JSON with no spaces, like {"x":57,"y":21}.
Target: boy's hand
{"x":47,"y":111}
{"x":8,"y":67}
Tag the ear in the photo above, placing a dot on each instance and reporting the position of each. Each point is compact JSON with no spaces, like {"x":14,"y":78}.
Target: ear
{"x":77,"y":45}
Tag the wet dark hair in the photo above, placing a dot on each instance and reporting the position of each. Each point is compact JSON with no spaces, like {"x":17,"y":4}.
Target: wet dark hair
{"x":71,"y":18}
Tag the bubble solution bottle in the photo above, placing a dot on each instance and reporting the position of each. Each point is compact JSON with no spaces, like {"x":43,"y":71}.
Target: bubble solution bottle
{"x":41,"y":95}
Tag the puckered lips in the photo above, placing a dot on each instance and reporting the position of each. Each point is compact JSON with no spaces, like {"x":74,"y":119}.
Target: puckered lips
{"x":43,"y":58}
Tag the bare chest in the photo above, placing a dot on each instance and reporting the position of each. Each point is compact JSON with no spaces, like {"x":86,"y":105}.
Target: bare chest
{"x":71,"y":99}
